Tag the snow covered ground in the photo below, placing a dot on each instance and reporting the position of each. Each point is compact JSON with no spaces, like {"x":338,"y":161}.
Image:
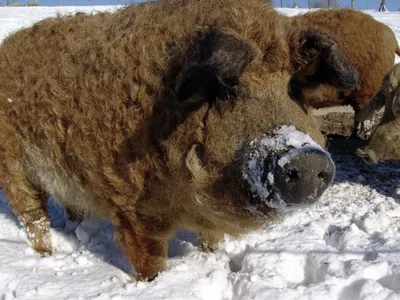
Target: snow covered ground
{"x":346,"y":247}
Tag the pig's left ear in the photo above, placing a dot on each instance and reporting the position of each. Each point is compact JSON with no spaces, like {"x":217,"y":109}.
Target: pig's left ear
{"x":394,"y":77}
{"x":318,"y":58}
{"x":220,"y":60}
{"x":396,"y":105}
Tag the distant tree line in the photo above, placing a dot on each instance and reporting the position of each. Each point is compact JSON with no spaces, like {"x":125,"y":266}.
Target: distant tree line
{"x":332,"y":4}
{"x":311,"y":3}
{"x":18,"y":3}
{"x":323,"y":3}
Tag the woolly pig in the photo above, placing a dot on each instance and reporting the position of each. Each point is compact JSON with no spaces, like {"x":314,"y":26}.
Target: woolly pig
{"x":385,"y":140}
{"x":162,"y":115}
{"x":369,"y":45}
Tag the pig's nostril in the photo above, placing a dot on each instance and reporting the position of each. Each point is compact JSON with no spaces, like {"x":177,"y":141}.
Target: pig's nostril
{"x":367,"y":156}
{"x":323,"y":175}
{"x":293,"y":175}
{"x":368,"y":159}
{"x":306,"y":174}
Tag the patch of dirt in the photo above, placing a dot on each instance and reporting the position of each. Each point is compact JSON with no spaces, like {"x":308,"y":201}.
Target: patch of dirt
{"x":340,"y":121}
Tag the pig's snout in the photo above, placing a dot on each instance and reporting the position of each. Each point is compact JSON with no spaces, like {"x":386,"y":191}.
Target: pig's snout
{"x":287,"y":167}
{"x":302,"y":175}
{"x":367,"y":155}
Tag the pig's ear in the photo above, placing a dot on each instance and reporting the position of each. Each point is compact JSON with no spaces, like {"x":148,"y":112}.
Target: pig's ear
{"x":376,"y":104}
{"x":396,"y":105}
{"x":221,"y":59}
{"x":394,"y":77}
{"x":319,"y":59}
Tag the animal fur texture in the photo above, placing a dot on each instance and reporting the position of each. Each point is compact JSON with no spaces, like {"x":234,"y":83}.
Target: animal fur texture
{"x":138,"y":117}
{"x":385,"y":140}
{"x":368,"y":44}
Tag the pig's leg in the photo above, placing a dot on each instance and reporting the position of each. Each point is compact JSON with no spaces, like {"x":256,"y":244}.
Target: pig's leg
{"x":364,"y":96}
{"x":209,"y":241}
{"x":355,"y":130}
{"x":29,"y":205}
{"x":146,"y":254}
{"x":74,"y":215}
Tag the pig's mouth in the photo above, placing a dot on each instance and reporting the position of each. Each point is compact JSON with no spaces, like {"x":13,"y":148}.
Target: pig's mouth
{"x":286,"y":169}
{"x":367,"y":155}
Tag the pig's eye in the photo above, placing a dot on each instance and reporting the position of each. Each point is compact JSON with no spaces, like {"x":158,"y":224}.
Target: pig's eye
{"x":396,"y":105}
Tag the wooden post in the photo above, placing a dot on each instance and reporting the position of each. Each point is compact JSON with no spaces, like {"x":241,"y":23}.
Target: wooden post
{"x":352,"y":4}
{"x":382,"y":6}
{"x":281,"y":3}
{"x":294,"y":4}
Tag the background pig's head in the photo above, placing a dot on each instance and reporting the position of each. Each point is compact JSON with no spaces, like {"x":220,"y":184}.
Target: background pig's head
{"x":385,"y":141}
{"x":318,"y":59}
{"x":237,"y":153}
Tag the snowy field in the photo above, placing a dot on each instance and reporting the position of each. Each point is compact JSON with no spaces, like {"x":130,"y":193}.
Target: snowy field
{"x":347,"y":247}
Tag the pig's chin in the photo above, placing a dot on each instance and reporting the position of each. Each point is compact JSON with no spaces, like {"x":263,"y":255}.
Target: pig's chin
{"x":274,"y":202}
{"x":264,"y":206}
{"x":275,"y":147}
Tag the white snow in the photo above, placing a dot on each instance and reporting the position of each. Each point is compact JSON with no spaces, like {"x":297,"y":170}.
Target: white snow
{"x":346,"y":247}
{"x":288,"y":137}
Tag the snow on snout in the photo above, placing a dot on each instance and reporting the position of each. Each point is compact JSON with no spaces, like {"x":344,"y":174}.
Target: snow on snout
{"x":271,"y":145}
{"x":286,"y":137}
{"x":285,"y":159}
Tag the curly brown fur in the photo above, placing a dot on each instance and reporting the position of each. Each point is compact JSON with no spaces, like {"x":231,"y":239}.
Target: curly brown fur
{"x":89,"y":114}
{"x":369,"y":45}
{"x":319,"y":59}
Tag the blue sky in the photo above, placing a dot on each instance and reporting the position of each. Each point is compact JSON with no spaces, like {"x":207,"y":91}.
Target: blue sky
{"x":360,"y":4}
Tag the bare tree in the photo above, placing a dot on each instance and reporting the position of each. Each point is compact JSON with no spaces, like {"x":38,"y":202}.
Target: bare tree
{"x":325,"y":3}
{"x":382,"y":6}
{"x":309,"y":4}
{"x":294,"y":4}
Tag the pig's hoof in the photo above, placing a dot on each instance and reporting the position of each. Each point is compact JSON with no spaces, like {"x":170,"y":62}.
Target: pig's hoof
{"x":146,"y":278}
{"x":209,"y":242}
{"x":40,"y":241}
{"x":42,"y":249}
{"x":208,"y":247}
{"x":44,"y":253}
